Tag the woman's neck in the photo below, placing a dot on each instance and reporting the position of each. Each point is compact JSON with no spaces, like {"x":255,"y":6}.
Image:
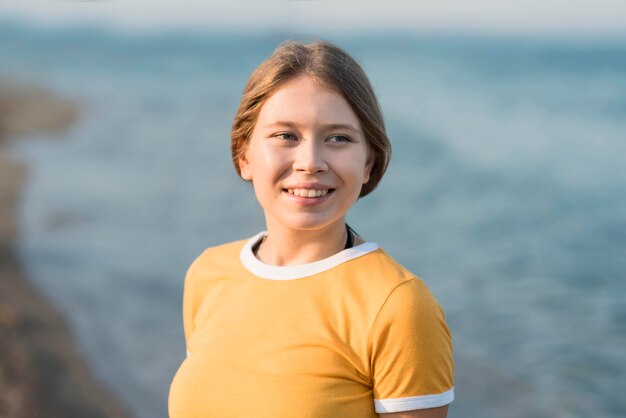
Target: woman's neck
{"x":285,"y":246}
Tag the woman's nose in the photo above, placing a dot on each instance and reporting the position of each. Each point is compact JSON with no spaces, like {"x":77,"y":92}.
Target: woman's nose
{"x":309,"y":157}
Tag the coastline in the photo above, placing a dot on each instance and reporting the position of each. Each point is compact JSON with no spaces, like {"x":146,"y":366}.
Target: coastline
{"x":41,"y":372}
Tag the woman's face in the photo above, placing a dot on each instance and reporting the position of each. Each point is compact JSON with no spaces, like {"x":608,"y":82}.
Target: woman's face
{"x":307,"y":157}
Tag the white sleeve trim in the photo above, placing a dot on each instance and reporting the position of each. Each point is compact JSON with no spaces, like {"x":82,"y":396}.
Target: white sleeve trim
{"x":413,"y":402}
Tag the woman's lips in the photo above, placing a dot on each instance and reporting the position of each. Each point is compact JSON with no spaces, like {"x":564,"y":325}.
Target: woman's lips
{"x":309,"y":192}
{"x":308,"y":201}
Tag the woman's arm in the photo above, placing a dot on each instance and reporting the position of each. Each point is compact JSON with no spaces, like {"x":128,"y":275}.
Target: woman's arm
{"x":440,"y":412}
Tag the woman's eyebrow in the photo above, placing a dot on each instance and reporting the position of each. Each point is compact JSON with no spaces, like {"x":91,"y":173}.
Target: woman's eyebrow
{"x":346,"y":126}
{"x":280,"y":123}
{"x":329,"y":126}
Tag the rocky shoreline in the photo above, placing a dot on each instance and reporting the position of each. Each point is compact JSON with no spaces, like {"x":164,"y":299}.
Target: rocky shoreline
{"x":41,"y":373}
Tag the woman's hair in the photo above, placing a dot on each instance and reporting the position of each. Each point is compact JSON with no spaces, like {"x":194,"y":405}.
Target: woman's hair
{"x":333,"y":68}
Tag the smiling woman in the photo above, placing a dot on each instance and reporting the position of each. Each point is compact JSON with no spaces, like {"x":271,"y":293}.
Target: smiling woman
{"x":308,"y":160}
{"x":309,"y":319}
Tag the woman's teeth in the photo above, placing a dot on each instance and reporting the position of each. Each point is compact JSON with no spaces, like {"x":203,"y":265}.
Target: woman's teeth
{"x":308,"y":192}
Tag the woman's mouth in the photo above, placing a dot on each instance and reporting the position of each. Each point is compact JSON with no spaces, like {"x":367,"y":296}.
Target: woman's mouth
{"x":309,"y":193}
{"x":308,"y":197}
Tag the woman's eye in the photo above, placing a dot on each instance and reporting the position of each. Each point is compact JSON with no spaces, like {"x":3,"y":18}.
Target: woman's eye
{"x":339,"y":138}
{"x":287,"y":136}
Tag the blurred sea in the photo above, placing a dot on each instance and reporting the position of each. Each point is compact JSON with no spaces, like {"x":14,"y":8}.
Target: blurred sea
{"x":506,"y":194}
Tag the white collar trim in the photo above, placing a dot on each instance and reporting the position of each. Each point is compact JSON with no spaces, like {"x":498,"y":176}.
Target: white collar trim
{"x":268,"y":271}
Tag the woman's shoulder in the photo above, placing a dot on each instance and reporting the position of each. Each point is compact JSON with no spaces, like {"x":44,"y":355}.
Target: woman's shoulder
{"x":225,"y":249}
{"x":382,"y":271}
{"x":379,"y":261}
{"x":221,"y":254}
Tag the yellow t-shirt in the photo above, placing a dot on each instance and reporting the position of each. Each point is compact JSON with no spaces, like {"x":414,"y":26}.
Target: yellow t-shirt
{"x":352,"y":335}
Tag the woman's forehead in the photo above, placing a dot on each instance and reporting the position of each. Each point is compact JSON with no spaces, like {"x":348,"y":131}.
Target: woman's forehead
{"x":304,"y":101}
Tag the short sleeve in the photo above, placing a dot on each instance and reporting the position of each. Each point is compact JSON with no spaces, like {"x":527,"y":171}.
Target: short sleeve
{"x":411,"y":360}
{"x":189,"y":304}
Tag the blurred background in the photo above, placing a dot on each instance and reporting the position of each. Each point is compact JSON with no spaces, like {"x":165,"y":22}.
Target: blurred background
{"x":506,"y":192}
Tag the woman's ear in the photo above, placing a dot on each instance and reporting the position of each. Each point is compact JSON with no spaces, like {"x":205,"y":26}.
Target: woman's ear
{"x":244,"y":168}
{"x":369,"y":164}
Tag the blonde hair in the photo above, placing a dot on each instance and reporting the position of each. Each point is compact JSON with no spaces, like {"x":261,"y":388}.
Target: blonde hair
{"x":330,"y":66}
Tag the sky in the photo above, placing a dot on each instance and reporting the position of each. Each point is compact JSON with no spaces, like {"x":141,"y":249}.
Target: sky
{"x":577,"y":17}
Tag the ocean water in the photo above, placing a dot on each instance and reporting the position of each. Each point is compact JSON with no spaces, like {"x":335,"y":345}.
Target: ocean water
{"x":506,"y":194}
